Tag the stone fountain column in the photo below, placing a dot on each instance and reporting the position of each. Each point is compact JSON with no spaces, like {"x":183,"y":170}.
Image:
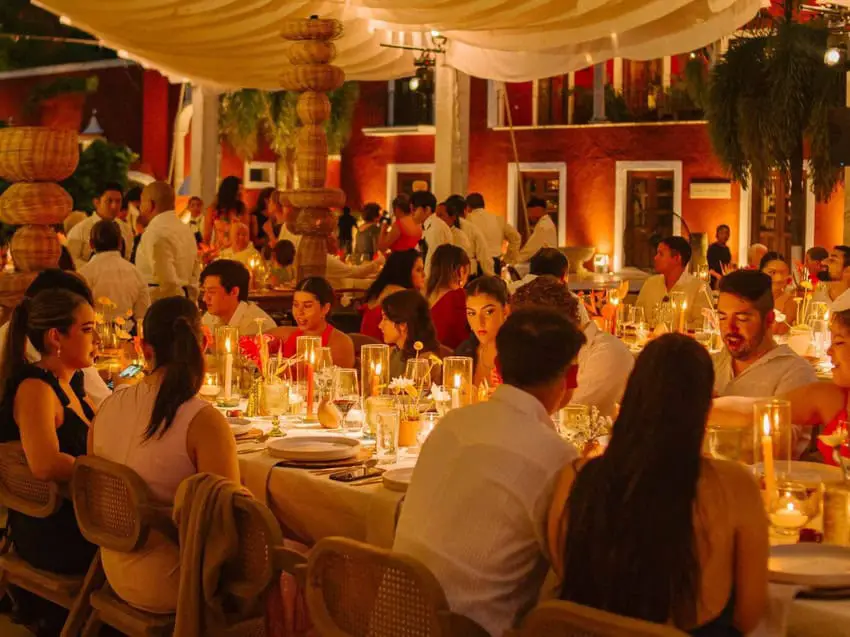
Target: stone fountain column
{"x":312,"y":75}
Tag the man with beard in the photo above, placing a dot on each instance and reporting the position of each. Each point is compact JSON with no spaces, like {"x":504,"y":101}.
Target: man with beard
{"x":752,"y":364}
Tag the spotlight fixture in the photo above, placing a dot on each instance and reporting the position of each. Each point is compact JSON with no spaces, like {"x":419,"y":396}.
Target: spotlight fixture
{"x":832,"y":57}
{"x":423,"y":80}
{"x":413,"y":83}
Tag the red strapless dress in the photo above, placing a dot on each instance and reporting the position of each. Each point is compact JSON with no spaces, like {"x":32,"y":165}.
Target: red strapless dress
{"x":290,"y":347}
{"x":370,"y":322}
{"x":831,"y":426}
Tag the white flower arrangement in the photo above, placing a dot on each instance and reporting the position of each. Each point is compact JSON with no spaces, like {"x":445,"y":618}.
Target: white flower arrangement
{"x":439,"y":394}
{"x":401,"y":385}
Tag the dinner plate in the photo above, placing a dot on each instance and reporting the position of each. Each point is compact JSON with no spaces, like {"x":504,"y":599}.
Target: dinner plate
{"x":239,"y":426}
{"x":809,"y":564}
{"x":314,"y":448}
{"x":398,"y":479}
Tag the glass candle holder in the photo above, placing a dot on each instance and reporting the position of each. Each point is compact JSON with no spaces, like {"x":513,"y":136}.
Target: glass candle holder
{"x":211,"y":387}
{"x":229,"y":364}
{"x":374,"y":369}
{"x":772,"y":441}
{"x":457,"y":379}
{"x":427,"y":422}
{"x":418,"y":370}
{"x":679,"y":303}
{"x":374,"y":405}
{"x":790,"y":508}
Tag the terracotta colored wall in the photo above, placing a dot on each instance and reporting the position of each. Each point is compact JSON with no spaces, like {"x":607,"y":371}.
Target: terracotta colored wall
{"x":829,"y":220}
{"x":156,"y":125}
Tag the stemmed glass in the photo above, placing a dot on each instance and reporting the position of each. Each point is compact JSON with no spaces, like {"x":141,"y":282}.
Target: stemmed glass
{"x":417,"y":370}
{"x":346,"y":391}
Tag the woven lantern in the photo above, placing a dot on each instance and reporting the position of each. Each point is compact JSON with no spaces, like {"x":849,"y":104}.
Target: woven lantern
{"x":35,"y":248}
{"x":312,"y":75}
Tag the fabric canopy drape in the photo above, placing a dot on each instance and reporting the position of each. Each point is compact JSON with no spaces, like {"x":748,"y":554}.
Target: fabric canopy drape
{"x":236,"y":43}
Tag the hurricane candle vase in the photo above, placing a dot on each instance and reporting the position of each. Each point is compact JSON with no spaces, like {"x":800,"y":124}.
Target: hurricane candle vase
{"x":772,"y":441}
{"x":307,"y":353}
{"x":457,"y":379}
{"x":679,"y":303}
{"x":374,"y":369}
{"x":229,"y":364}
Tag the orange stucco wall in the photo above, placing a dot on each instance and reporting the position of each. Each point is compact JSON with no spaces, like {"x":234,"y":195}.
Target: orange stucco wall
{"x":829,"y":220}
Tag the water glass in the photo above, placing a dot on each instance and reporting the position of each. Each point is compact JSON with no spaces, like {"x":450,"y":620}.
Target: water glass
{"x":427,"y":422}
{"x":418,"y":370}
{"x":277,"y":398}
{"x":386,"y":436}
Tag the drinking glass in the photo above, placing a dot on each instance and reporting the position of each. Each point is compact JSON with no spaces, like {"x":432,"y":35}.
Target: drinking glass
{"x":427,"y":422}
{"x":277,"y":404}
{"x":386,"y":436}
{"x":323,"y":371}
{"x":355,"y":419}
{"x":346,"y":390}
{"x":418,"y":370}
{"x":790,"y":507}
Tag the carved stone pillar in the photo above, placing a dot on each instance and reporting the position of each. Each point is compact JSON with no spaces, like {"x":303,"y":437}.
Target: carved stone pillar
{"x":312,"y":75}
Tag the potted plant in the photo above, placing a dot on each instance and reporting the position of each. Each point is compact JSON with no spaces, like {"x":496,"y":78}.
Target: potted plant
{"x":60,"y":102}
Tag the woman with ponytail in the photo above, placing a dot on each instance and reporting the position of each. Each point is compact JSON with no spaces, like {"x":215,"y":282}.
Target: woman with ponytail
{"x":165,"y":433}
{"x":44,"y":407}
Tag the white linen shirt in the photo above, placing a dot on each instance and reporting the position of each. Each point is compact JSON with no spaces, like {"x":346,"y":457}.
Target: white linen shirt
{"x":495,"y":230}
{"x":245,"y":318}
{"x":436,"y":232}
{"x":475,"y":512}
{"x":79,"y":239}
{"x":774,"y":374}
{"x":243,"y":256}
{"x":110,"y":275}
{"x":545,"y":235}
{"x":168,"y":256}
{"x":654,"y":291}
{"x":604,"y":365}
{"x":479,"y":253}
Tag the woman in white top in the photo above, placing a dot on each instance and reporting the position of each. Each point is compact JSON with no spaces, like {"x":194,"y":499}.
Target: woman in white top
{"x":161,"y":430}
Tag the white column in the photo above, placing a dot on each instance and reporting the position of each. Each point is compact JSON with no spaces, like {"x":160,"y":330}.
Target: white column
{"x":451,"y":145}
{"x":667,"y":72}
{"x":204,"y":164}
{"x":599,"y":92}
{"x":617,"y":83}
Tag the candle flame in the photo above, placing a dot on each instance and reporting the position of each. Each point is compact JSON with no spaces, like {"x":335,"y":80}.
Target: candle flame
{"x":766,"y":425}
{"x":227,"y":345}
{"x":312,"y":357}
{"x":457,"y":381}
{"x":684,"y":305}
{"x":789,"y":506}
{"x":378,"y":369}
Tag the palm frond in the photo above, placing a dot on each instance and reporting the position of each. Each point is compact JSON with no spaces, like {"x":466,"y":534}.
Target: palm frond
{"x":239,"y":117}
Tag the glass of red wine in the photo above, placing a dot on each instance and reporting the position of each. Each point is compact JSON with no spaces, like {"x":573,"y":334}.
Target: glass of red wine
{"x":345,"y":392}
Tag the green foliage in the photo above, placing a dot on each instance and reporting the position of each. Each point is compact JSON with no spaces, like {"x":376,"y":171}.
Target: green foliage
{"x":62,"y":85}
{"x":100,"y":163}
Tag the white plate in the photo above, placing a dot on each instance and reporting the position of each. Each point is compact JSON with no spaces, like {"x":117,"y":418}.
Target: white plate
{"x":808,"y":473}
{"x":314,"y":448}
{"x":398,"y":479}
{"x":807,"y":564}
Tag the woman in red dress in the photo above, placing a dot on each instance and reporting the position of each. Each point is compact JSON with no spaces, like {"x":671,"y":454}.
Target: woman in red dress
{"x":405,"y":233}
{"x":449,"y":272}
{"x":402,"y":271}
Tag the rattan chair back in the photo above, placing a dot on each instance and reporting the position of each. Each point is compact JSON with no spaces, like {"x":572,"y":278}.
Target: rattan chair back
{"x":20,"y":490}
{"x":567,"y":619}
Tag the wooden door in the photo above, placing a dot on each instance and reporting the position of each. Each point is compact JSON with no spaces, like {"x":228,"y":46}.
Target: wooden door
{"x":404,"y":182}
{"x":649,"y":216}
{"x":544,"y":185}
{"x":771,"y":215}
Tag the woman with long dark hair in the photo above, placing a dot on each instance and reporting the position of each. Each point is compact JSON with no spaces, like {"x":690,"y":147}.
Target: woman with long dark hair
{"x":402,"y":271}
{"x":406,"y":320}
{"x":445,"y":294}
{"x":227,"y":208}
{"x":165,"y":433}
{"x":44,"y":406}
{"x":486,"y":309}
{"x":259,"y":216}
{"x":653,"y":530}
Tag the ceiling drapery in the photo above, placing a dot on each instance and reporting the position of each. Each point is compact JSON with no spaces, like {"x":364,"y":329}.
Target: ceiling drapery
{"x":236,"y":43}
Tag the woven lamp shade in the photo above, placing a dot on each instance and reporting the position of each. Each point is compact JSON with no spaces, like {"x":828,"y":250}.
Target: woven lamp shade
{"x":311,"y":52}
{"x":13,"y":286}
{"x":35,"y":248}
{"x":35,"y":202}
{"x":312,"y":29}
{"x":313,"y":108}
{"x":312,"y":77}
{"x":30,"y":153}
{"x":317,"y":198}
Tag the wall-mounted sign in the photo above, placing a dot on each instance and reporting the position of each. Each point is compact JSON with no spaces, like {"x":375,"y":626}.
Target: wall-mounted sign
{"x":711,"y":189}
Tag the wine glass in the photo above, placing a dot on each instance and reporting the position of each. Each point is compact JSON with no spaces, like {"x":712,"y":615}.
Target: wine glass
{"x":345,"y":390}
{"x":417,"y":370}
{"x":277,"y":404}
{"x":323,"y":368}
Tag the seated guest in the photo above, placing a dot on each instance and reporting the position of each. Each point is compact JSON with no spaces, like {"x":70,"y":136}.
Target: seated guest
{"x":283,"y":263}
{"x":224,"y":288}
{"x":110,"y":275}
{"x":838,"y":276}
{"x":338,"y":271}
{"x":402,"y":271}
{"x":604,"y":361}
{"x":165,"y":433}
{"x":671,"y":263}
{"x":241,"y":249}
{"x":54,"y":279}
{"x":774,"y":265}
{"x":555,"y":263}
{"x":449,"y":273}
{"x":486,"y":310}
{"x":311,"y":304}
{"x":755,"y":254}
{"x":406,"y":320}
{"x":684,"y":537}
{"x":44,"y":406}
{"x":475,"y":512}
{"x":814,"y":262}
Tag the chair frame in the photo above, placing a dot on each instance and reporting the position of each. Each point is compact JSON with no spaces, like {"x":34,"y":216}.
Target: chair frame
{"x":599,"y":623}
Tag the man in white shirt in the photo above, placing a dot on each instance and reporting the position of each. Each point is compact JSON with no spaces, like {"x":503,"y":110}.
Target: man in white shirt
{"x":838,"y":268}
{"x":671,"y":263}
{"x":466,"y":235}
{"x":224,"y":288}
{"x":337,"y":270}
{"x":167,"y":256}
{"x":604,"y":362}
{"x":475,"y":512}
{"x":544,"y":235}
{"x":435,"y":232}
{"x":55,"y":279}
{"x":110,"y":275}
{"x":107,"y":206}
{"x":193,"y":216}
{"x":494,"y":229}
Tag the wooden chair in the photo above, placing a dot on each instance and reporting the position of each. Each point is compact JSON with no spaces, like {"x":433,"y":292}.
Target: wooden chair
{"x":355,"y":590}
{"x":115,"y":511}
{"x":21,"y":492}
{"x":566,"y":619}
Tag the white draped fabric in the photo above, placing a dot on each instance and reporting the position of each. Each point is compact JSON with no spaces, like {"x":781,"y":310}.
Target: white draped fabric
{"x":236,"y":43}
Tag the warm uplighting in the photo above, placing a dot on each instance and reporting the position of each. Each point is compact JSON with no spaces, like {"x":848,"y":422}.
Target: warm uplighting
{"x":122,"y":54}
{"x":65,"y":20}
{"x":832,"y":57}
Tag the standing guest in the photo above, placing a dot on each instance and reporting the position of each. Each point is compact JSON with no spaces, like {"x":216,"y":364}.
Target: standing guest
{"x":167,"y":257}
{"x":719,"y":256}
{"x":107,"y":206}
{"x":283,"y":263}
{"x":445,"y":294}
{"x":224,"y":288}
{"x":838,"y":269}
{"x":755,"y":254}
{"x":273,"y":226}
{"x":467,"y":236}
{"x":435,"y":231}
{"x":366,"y":246}
{"x":130,"y":206}
{"x":241,"y":249}
{"x":311,"y":305}
{"x":544,"y":235}
{"x":141,"y":224}
{"x":774,"y":265}
{"x":227,"y":209}
{"x":671,"y":264}
{"x":345,"y":228}
{"x":488,"y":551}
{"x":494,"y":229}
{"x":402,"y":271}
{"x":486,"y":311}
{"x":259,"y":217}
{"x":160,"y":429}
{"x":684,"y":537}
{"x":815,"y":262}
{"x":404,"y":233}
{"x":193,"y":217}
{"x":406,"y":320}
{"x":339,"y":272}
{"x":604,"y":361}
{"x":110,"y":275}
{"x":44,"y":406}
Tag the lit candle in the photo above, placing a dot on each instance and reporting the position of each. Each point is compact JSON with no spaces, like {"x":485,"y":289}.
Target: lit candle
{"x":228,"y":370}
{"x":376,"y":379}
{"x":788,"y":518}
{"x":682,"y":312}
{"x":616,"y":303}
{"x":767,"y":458}
{"x":309,"y":366}
{"x":456,"y":392}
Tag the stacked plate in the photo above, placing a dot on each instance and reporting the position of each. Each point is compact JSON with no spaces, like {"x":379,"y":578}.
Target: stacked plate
{"x":239,"y":426}
{"x":306,"y":449}
{"x":818,"y":566}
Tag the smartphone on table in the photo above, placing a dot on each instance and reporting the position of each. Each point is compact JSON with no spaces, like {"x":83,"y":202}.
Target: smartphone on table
{"x":356,"y":473}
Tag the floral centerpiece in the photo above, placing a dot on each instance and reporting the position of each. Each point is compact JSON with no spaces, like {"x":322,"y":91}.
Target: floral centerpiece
{"x":589,"y":434}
